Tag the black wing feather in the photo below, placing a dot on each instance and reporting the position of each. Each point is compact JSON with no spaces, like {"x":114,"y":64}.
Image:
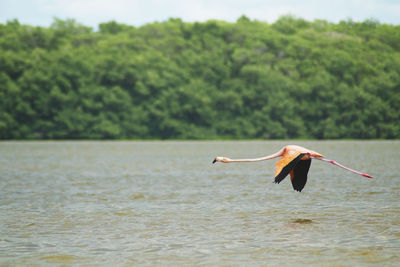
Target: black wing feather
{"x":286,"y":170}
{"x":300,"y":172}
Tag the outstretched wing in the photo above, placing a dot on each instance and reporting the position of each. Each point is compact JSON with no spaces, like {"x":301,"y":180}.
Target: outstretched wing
{"x":286,"y":164}
{"x":299,"y":174}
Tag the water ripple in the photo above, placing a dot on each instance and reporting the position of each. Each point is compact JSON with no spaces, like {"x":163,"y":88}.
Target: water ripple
{"x":163,"y":203}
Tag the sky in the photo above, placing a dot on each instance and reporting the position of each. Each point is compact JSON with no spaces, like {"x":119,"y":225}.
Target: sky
{"x":140,"y":12}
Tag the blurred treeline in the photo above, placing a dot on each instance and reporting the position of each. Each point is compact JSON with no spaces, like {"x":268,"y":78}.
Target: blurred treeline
{"x":178,"y":80}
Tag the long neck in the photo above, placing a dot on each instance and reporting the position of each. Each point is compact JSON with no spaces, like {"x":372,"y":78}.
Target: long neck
{"x":275,"y":155}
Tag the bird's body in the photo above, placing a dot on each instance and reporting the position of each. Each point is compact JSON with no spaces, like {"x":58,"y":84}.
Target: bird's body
{"x":296,"y":161}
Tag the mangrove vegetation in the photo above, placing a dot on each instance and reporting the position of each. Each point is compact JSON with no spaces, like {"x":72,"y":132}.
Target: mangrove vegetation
{"x":203,"y":80}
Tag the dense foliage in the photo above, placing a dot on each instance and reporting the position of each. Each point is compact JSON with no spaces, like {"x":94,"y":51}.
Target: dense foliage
{"x":249,"y":79}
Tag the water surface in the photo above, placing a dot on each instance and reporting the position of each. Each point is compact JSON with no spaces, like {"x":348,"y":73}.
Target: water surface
{"x":164,"y":203}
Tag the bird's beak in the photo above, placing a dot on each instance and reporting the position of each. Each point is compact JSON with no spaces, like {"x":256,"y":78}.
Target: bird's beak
{"x":215,"y":160}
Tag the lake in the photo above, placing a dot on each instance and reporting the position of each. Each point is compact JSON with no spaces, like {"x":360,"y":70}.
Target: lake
{"x":162,"y":203}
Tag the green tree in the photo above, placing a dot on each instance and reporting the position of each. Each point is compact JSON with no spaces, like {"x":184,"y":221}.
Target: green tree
{"x":215,"y":79}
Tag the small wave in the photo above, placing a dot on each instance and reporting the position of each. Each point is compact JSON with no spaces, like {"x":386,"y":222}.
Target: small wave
{"x":59,"y":258}
{"x":303,"y":221}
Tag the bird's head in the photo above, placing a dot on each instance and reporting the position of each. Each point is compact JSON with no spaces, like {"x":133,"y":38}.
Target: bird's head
{"x":219,"y":159}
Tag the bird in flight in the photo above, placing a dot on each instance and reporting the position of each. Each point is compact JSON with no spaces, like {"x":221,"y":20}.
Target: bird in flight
{"x":296,"y":161}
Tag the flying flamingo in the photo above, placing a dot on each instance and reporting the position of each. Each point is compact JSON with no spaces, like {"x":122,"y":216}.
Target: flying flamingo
{"x":295,"y":160}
